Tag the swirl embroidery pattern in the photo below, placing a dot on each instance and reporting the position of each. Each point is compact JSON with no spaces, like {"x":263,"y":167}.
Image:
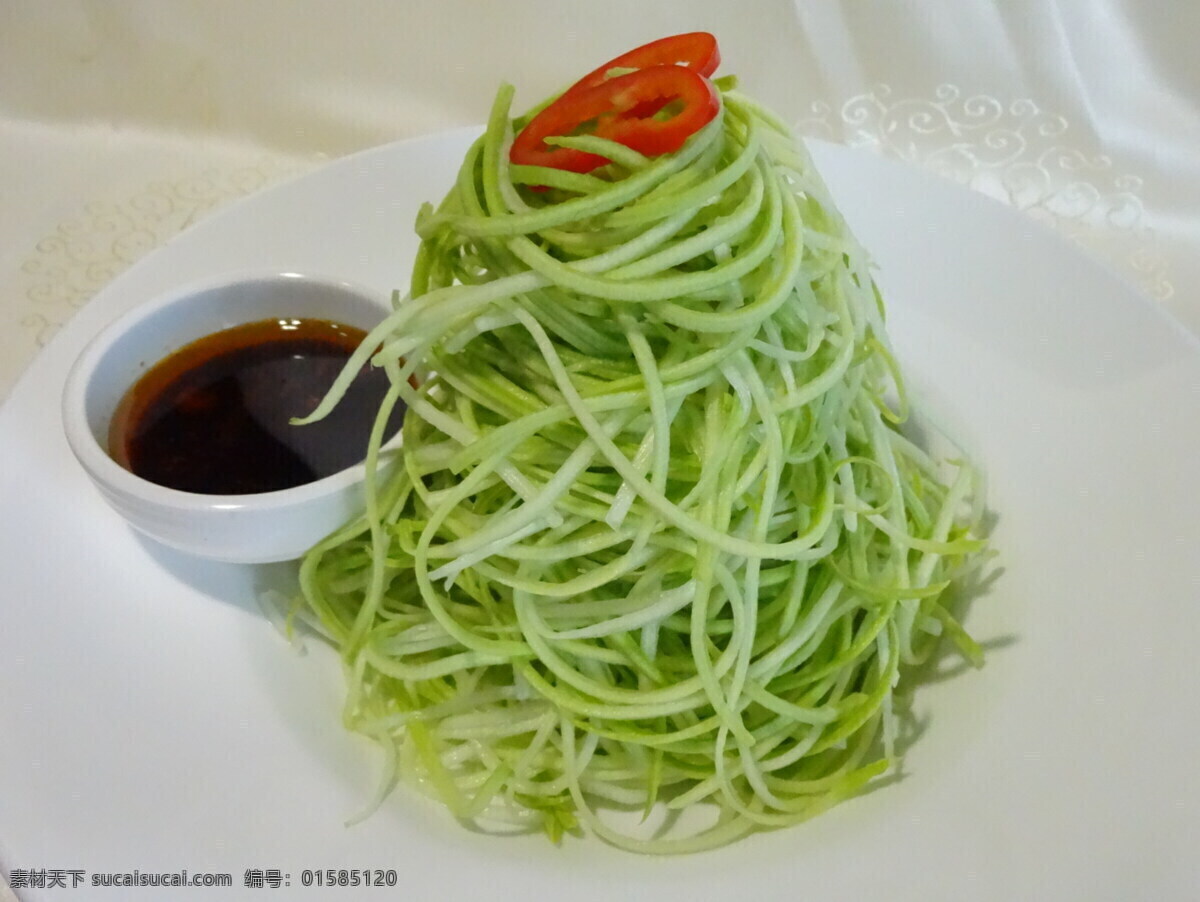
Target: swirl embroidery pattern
{"x":85,"y":253}
{"x":1015,"y":152}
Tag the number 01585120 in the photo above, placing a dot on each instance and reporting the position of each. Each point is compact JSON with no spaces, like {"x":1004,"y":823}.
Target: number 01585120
{"x":348,"y":877}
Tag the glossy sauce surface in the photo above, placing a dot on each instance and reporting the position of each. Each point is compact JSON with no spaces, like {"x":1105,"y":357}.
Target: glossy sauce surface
{"x":213,"y":417}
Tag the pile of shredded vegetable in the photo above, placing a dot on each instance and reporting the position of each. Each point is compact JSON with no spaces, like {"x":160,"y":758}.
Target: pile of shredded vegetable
{"x":654,"y":538}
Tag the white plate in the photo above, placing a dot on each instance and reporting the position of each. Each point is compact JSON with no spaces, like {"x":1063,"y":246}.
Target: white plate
{"x":151,"y":719}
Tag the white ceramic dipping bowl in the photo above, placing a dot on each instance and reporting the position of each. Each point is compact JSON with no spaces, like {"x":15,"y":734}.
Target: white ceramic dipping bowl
{"x":271,"y":526}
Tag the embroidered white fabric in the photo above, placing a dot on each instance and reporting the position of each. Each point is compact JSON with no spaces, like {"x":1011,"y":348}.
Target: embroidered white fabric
{"x":122,"y":124}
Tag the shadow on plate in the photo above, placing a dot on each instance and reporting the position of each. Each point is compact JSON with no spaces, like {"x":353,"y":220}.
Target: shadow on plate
{"x":238,"y":585}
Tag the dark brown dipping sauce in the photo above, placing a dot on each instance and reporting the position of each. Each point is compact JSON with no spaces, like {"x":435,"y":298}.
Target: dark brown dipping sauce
{"x":213,"y":417}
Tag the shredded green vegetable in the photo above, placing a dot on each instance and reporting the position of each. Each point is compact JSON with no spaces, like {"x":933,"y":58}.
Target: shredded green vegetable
{"x":654,"y":537}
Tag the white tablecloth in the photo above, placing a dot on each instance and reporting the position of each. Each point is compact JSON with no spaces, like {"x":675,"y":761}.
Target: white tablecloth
{"x":121,"y":124}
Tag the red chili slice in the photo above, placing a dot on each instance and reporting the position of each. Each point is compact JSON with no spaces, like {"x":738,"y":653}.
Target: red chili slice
{"x":622,"y":109}
{"x":696,"y":50}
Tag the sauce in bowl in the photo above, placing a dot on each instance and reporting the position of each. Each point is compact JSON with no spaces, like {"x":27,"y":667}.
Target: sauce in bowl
{"x":214,"y":417}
